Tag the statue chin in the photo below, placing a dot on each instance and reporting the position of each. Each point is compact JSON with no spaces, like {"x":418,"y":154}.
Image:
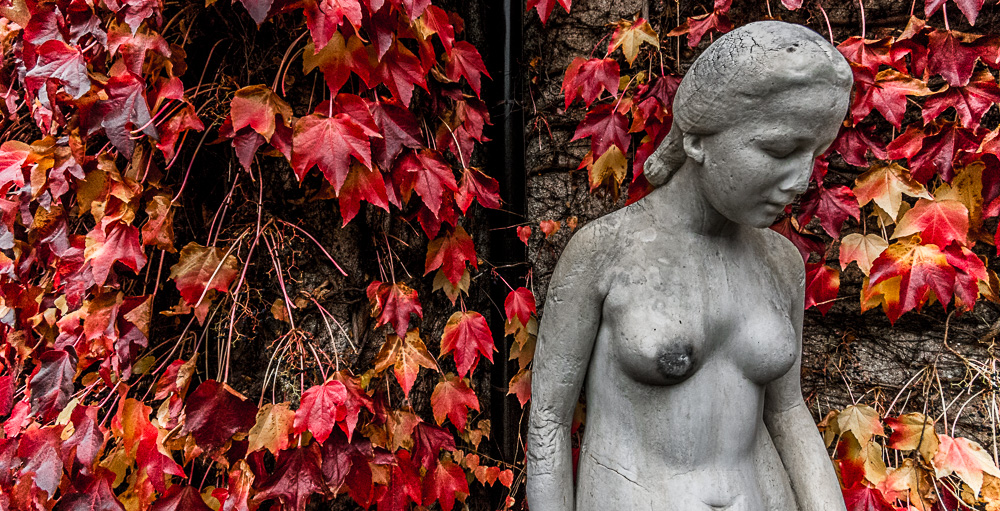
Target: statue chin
{"x":681,"y":325}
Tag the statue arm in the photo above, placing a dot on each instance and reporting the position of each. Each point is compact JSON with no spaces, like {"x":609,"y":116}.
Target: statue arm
{"x":794,"y":433}
{"x":565,"y":341}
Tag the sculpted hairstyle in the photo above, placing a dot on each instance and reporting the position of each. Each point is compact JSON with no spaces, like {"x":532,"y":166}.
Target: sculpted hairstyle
{"x":737,"y":72}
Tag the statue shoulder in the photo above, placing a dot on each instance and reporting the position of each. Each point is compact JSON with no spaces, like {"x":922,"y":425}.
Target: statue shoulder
{"x":785,"y":257}
{"x":592,"y":251}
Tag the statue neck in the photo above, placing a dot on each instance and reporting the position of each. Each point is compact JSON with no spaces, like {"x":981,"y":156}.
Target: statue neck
{"x":682,"y":201}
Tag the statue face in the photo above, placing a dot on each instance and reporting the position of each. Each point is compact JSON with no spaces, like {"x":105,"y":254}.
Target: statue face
{"x":751,"y":170}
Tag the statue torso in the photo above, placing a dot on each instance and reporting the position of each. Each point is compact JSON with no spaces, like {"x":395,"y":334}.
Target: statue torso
{"x":692,"y":329}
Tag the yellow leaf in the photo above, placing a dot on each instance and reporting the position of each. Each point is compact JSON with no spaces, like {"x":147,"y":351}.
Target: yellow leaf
{"x":274,"y":422}
{"x":862,"y":249}
{"x":630,"y":36}
{"x":862,"y":421}
{"x":611,"y":165}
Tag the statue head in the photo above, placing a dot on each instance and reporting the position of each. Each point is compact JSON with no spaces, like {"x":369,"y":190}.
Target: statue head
{"x":743,"y":77}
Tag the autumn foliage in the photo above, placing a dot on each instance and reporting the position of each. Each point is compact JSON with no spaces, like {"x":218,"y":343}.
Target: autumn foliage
{"x":100,"y":116}
{"x":101,"y":122}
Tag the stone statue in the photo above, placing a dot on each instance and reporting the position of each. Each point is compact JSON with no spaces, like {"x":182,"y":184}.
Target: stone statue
{"x":682,"y":313}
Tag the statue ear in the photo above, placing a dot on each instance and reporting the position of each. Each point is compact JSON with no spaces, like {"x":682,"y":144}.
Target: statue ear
{"x":694,"y":148}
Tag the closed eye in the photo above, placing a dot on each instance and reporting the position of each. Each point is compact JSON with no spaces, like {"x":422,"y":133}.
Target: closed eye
{"x":779,"y":152}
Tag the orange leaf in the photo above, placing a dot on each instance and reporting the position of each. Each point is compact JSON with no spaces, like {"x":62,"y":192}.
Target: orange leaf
{"x":452,"y":398}
{"x":256,"y":106}
{"x":966,"y":458}
{"x":921,"y":268}
{"x":886,"y":184}
{"x":913,"y":431}
{"x":520,"y":386}
{"x":201,"y":269}
{"x":406,"y":354}
{"x":938,"y":222}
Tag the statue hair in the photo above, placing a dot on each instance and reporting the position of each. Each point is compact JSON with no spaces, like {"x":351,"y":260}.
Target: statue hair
{"x":737,"y":72}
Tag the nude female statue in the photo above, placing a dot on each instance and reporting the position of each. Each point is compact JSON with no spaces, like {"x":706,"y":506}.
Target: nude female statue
{"x":682,"y":313}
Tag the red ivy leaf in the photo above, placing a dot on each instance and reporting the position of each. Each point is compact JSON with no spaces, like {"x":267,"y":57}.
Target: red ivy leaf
{"x":428,"y":440}
{"x":452,"y":398}
{"x":13,"y":154}
{"x":60,"y":62}
{"x":361,"y":184}
{"x":476,"y":185}
{"x":445,"y":484}
{"x":806,"y":243}
{"x":345,"y":461}
{"x":406,"y":355}
{"x":435,"y":20}
{"x":256,"y":106}
{"x":399,"y":129}
{"x":450,"y":252}
{"x":124,"y":110}
{"x":951,"y":58}
{"x":887,"y":92}
{"x":324,"y":17}
{"x":329,"y":143}
{"x":698,"y":26}
{"x":338,"y":59}
{"x":258,"y":9}
{"x":863,"y":498}
{"x":545,"y":7}
{"x":428,"y":174}
{"x":468,"y":335}
{"x":322,"y":407}
{"x":524,"y":233}
{"x":133,"y":46}
{"x":87,"y":440}
{"x":854,"y":143}
{"x":922,"y":268}
{"x":51,"y":383}
{"x":822,"y":286}
{"x":394,"y":303}
{"x":607,"y":127}
{"x":137,"y":11}
{"x":520,"y":386}
{"x":465,"y":60}
{"x":832,"y":206}
{"x":400,"y":71}
{"x":202,"y":268}
{"x":215,"y":412}
{"x":970,"y":102}
{"x":121,"y":245}
{"x":587,"y":78}
{"x":970,"y":8}
{"x":938,"y":151}
{"x":403,"y":487}
{"x":295,"y":478}
{"x":520,"y":304}
{"x":939,"y":222}
{"x":870,"y":54}
{"x":180,"y":498}
{"x":97,"y":496}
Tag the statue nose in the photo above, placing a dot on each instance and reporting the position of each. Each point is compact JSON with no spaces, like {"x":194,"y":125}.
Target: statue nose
{"x":796,"y":182}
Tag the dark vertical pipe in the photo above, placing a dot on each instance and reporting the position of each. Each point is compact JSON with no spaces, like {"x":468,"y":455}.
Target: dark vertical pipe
{"x":506,"y":164}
